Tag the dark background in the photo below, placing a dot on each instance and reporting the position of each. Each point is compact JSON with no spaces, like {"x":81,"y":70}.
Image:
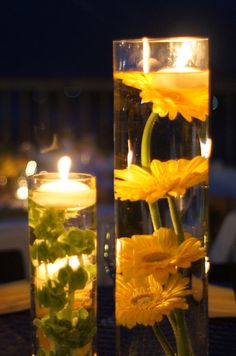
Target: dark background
{"x":73,"y":38}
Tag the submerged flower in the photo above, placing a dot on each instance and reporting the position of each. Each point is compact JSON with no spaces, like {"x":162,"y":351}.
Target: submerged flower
{"x":172,"y":177}
{"x":158,"y":254}
{"x":147,"y":304}
{"x":171,"y":92}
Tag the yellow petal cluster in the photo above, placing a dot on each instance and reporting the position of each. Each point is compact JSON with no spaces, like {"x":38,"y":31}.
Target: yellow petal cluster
{"x":158,"y":254}
{"x":171,"y":93}
{"x":172,"y":178}
{"x":147,"y":304}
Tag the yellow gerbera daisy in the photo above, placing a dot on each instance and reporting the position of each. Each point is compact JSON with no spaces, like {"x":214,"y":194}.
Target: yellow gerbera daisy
{"x":171,"y":93}
{"x":147,"y":304}
{"x":158,"y":254}
{"x":172,"y":177}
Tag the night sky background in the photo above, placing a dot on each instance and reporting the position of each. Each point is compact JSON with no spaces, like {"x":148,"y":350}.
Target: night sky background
{"x":73,"y":38}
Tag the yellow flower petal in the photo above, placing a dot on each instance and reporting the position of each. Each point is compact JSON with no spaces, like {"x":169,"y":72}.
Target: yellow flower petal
{"x":172,"y":177}
{"x":147,"y":304}
{"x":158,"y":254}
{"x":169,"y":92}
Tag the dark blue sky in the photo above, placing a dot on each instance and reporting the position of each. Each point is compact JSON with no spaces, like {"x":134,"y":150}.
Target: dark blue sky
{"x":73,"y":38}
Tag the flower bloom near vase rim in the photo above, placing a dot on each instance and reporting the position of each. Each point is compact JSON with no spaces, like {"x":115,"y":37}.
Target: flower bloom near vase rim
{"x":172,"y":92}
{"x":171,"y":178}
{"x":147,"y":304}
{"x":158,"y":254}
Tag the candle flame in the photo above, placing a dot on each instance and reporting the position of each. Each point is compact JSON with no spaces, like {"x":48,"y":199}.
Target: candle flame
{"x":183,"y":54}
{"x":146,"y":55}
{"x":64,"y":164}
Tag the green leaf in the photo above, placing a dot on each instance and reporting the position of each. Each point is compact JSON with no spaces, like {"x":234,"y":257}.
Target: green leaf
{"x":83,"y":313}
{"x":40,"y":251}
{"x":34,"y":212}
{"x":57,"y":250}
{"x":89,"y":238}
{"x":65,"y":335}
{"x":50,"y":224}
{"x":52,"y":295}
{"x":38,"y":323}
{"x":78,"y":279}
{"x":64,"y":275}
{"x":63,"y":350}
{"x":86,"y":329}
{"x":47,"y":251}
{"x":75,"y":279}
{"x":40,"y":352}
{"x":78,"y":241}
{"x":73,"y":238}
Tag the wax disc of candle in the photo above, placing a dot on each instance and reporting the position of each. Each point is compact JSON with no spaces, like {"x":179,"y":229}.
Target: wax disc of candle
{"x":64,"y":194}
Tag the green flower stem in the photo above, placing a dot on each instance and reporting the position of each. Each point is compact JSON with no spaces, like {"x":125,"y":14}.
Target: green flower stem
{"x":184,"y":347}
{"x":71,"y":298}
{"x":146,"y":141}
{"x":176,"y":320}
{"x":146,"y":161}
{"x":173,"y":322}
{"x":175,"y":219}
{"x":154,"y":212}
{"x":155,"y":215}
{"x":81,"y":260}
{"x":51,"y":311}
{"x":70,"y":304}
{"x":163,"y":341}
{"x":183,"y":343}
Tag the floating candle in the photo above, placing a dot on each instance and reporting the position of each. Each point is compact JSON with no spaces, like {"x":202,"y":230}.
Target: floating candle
{"x":65,"y":193}
{"x":183,"y":75}
{"x":185,"y":78}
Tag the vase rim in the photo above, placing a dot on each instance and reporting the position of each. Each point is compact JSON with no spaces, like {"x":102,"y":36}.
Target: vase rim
{"x":162,"y":39}
{"x":51,"y":176}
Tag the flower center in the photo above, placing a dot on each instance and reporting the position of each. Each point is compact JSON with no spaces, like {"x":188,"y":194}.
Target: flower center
{"x":143,"y":298}
{"x":155,"y":257}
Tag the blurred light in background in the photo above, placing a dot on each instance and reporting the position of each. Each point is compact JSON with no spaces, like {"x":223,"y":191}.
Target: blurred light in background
{"x":22,"y":190}
{"x":30,"y":168}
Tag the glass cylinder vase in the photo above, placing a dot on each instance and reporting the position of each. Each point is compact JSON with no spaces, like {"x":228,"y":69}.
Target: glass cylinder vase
{"x":161,"y":110}
{"x":62,"y":221}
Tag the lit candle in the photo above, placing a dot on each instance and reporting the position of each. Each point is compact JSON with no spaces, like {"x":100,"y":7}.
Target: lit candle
{"x":182,"y":75}
{"x":180,"y":78}
{"x":182,"y":86}
{"x":65,"y":193}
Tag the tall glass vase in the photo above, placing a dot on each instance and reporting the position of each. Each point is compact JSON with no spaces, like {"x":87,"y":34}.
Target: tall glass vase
{"x":62,"y":221}
{"x":161,"y":109}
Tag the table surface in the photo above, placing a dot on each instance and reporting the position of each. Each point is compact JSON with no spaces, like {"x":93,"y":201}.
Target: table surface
{"x":15,"y":338}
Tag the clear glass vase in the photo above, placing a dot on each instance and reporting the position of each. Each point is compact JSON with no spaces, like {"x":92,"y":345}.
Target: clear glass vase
{"x":161,"y":110}
{"x":62,"y":221}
